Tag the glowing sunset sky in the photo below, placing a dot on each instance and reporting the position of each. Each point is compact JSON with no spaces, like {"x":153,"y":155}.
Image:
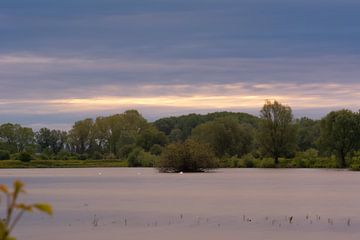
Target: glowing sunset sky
{"x":62,"y":61}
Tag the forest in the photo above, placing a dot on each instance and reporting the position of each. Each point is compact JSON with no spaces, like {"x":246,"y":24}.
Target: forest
{"x":220,"y":139}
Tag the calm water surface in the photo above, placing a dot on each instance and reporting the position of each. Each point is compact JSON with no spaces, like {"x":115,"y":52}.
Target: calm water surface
{"x":124,"y":204}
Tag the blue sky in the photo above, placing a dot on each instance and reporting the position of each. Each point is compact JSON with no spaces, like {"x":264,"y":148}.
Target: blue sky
{"x":61,"y":61}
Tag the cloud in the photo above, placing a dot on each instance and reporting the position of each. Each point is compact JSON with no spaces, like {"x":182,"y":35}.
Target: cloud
{"x":43,"y":85}
{"x":194,"y":97}
{"x":65,"y":60}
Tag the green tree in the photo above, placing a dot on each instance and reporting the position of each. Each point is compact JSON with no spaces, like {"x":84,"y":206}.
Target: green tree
{"x":8,"y":137}
{"x":226,"y":136}
{"x":81,"y":136}
{"x":43,"y":139}
{"x":150,"y":137}
{"x":175,"y":135}
{"x":102,"y":134}
{"x":277,"y":132}
{"x":24,"y":138}
{"x":185,"y":124}
{"x":340,"y":131}
{"x":51,"y":140}
{"x":16,"y":138}
{"x":308,"y":132}
{"x":113,"y":132}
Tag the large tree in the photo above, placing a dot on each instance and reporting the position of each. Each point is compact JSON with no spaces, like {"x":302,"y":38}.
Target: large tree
{"x":81,"y":136}
{"x":15,"y":138}
{"x":114,"y":132}
{"x":277,"y":131}
{"x":51,"y":140}
{"x":226,"y":136}
{"x":340,"y":131}
{"x":308,"y":132}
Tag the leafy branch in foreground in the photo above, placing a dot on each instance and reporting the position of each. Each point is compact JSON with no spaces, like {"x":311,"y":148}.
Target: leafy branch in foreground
{"x":15,"y":210}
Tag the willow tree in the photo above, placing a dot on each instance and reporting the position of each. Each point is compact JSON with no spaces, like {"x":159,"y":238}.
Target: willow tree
{"x":277,"y":131}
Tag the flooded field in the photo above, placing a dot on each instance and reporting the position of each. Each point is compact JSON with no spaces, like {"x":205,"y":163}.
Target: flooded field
{"x":138,"y":204}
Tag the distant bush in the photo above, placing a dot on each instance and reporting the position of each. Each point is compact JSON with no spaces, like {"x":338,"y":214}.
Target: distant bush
{"x":83,"y":156}
{"x":234,"y":162}
{"x":248,"y":161}
{"x":298,"y":163}
{"x":191,"y":156}
{"x":63,"y":155}
{"x":355,"y":161}
{"x":311,"y":159}
{"x":110,"y":156}
{"x":43,"y":156}
{"x":147,"y":159}
{"x":307,"y":158}
{"x":125,"y":151}
{"x":4,"y":155}
{"x":139,"y":158}
{"x":24,"y":157}
{"x":267,"y":163}
{"x":230,"y":162}
{"x":97,"y":156}
{"x":355,"y":166}
{"x":156,"y":149}
{"x":133,"y":158}
{"x":325,"y":162}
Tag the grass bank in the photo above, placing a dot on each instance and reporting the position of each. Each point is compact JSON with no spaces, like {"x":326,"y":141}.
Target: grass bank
{"x":62,"y":164}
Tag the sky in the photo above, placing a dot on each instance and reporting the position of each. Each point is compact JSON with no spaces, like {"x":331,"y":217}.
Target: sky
{"x":62,"y":61}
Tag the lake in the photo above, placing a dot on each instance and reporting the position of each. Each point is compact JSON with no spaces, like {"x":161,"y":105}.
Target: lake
{"x":139,"y":203}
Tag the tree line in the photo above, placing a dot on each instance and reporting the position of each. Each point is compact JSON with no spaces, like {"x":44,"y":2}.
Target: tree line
{"x":226,"y":139}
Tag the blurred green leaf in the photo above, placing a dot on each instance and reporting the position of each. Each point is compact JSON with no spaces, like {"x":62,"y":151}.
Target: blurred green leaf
{"x":18,"y":187}
{"x":21,"y":206}
{"x":44,"y":207}
{"x":4,"y":189}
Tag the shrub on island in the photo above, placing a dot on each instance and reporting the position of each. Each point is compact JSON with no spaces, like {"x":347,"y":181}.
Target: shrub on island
{"x":190,"y":156}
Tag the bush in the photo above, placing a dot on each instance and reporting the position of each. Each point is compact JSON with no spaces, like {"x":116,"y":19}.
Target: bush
{"x":298,"y":163}
{"x":234,"y":162}
{"x":63,"y":155}
{"x":125,"y":151}
{"x":355,"y":167}
{"x":156,"y":149}
{"x":191,"y":156}
{"x":307,"y":158}
{"x":97,"y":155}
{"x":83,"y":156}
{"x":133,"y":158}
{"x":267,"y":163}
{"x":225,"y":162}
{"x":4,"y":155}
{"x":43,"y":156}
{"x":248,"y":161}
{"x":139,"y":158}
{"x":24,"y":157}
{"x":355,"y":162}
{"x":110,"y":156}
{"x":147,"y":159}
